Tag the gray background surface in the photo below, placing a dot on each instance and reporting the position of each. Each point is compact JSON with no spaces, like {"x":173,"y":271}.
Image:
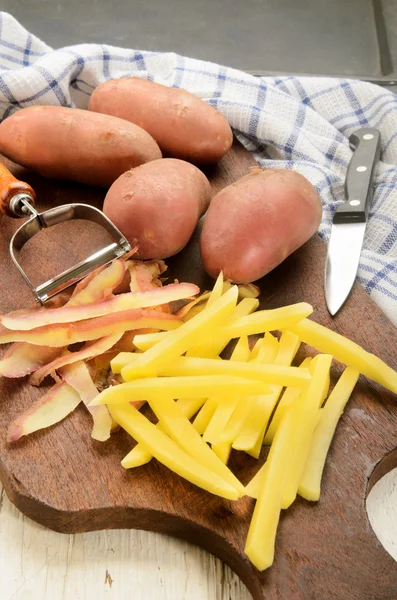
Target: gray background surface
{"x":346,"y":37}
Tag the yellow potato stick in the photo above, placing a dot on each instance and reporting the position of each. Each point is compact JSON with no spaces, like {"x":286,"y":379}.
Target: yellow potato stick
{"x":253,"y":487}
{"x":176,"y":387}
{"x":201,"y":300}
{"x":250,"y":324}
{"x":252,"y":433}
{"x":261,"y":539}
{"x":241,"y":350}
{"x":255,"y":349}
{"x":211,"y":345}
{"x":180,"y":429}
{"x":255,"y":425}
{"x":263,"y":527}
{"x":173,"y":346}
{"x":192,"y":312}
{"x":217,"y":291}
{"x":267,"y":320}
{"x":306,"y":413}
{"x":237,"y":419}
{"x":219,"y":419}
{"x":291,"y":394}
{"x":269,"y":373}
{"x":224,"y":410}
{"x":169,"y":453}
{"x":139,"y":455}
{"x":203,"y":418}
{"x":288,"y":347}
{"x":267,"y":349}
{"x":208,"y":345}
{"x":144,"y":341}
{"x":248,"y":290}
{"x":222,"y":450}
{"x":310,"y":484}
{"x":121,"y":360}
{"x":347,"y":352}
{"x":227,"y":285}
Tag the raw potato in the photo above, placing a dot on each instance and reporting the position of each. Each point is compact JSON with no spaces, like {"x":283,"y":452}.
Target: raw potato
{"x":69,"y":143}
{"x":254,"y":224}
{"x":183,"y":125}
{"x":157,"y":205}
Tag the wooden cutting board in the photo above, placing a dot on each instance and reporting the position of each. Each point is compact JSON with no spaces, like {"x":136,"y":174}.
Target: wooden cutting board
{"x":64,"y":480}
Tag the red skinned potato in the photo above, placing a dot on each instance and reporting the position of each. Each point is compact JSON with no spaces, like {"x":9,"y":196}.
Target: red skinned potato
{"x":252,"y":225}
{"x":157,"y":205}
{"x":69,"y":143}
{"x":183,"y":125}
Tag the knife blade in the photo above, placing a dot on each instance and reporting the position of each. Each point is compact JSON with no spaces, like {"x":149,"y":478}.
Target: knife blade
{"x":350,"y":219}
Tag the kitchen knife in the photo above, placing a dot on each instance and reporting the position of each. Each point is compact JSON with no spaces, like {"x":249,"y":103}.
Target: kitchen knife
{"x":350,"y":219}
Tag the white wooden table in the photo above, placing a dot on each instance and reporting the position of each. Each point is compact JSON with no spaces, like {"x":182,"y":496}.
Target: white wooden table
{"x":39,"y":564}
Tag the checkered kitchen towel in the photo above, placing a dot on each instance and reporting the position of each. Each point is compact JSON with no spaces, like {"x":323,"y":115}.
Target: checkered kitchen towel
{"x":298,"y":123}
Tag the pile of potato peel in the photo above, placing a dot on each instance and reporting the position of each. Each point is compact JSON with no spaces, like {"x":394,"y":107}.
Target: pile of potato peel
{"x":139,"y":346}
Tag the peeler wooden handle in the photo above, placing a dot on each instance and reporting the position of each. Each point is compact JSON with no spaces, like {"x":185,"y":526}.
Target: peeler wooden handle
{"x":9,"y":188}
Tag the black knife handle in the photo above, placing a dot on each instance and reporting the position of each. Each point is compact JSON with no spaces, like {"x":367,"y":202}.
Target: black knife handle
{"x":360,"y":173}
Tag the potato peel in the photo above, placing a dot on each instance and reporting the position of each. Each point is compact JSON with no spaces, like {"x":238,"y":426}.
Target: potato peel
{"x":53,"y":407}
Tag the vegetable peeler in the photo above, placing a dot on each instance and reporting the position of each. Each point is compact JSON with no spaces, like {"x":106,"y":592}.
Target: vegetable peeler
{"x":17,"y":199}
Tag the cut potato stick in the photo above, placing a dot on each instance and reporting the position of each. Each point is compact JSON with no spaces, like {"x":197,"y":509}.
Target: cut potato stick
{"x":291,"y":394}
{"x":263,"y":527}
{"x":267,"y":349}
{"x":346,"y":351}
{"x":179,"y":428}
{"x":255,"y":424}
{"x":268,"y":373}
{"x":252,"y":433}
{"x":237,"y":419}
{"x":245,"y":307}
{"x":268,"y":320}
{"x":182,"y":312}
{"x":241,"y":351}
{"x":69,"y":333}
{"x":222,"y":450}
{"x":219,"y":420}
{"x":72,"y":314}
{"x":261,"y":539}
{"x":205,"y":415}
{"x":217,"y":291}
{"x":79,"y":378}
{"x":140,"y":455}
{"x":253,"y":430}
{"x":51,"y":408}
{"x":176,"y":387}
{"x":176,"y":344}
{"x":250,"y":324}
{"x":89,"y":351}
{"x":169,"y":453}
{"x":255,"y":349}
{"x":310,"y":483}
{"x":224,"y":410}
{"x":144,"y":341}
{"x":248,"y":290}
{"x":306,"y":414}
{"x":22,"y":359}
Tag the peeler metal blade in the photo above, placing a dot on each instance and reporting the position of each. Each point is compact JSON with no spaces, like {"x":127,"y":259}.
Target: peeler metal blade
{"x":53,"y":216}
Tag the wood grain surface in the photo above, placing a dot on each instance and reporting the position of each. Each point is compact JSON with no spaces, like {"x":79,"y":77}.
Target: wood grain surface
{"x":69,"y":483}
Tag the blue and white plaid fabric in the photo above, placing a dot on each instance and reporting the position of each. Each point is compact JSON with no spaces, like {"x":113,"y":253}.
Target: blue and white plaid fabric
{"x":298,"y":123}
